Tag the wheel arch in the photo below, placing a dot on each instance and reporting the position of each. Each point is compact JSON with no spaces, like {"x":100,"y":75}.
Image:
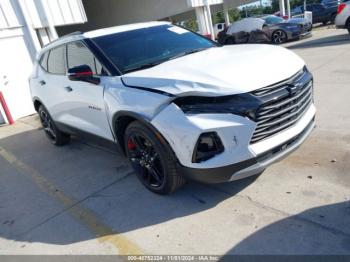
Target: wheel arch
{"x":37,"y":103}
{"x":121,"y":121}
{"x":347,"y":23}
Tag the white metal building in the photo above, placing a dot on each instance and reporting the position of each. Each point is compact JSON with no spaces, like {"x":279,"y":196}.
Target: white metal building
{"x":26,"y":25}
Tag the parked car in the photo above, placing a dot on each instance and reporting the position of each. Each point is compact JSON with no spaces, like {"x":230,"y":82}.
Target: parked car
{"x":320,"y":13}
{"x":178,"y":105}
{"x":282,"y":30}
{"x":343,"y":17}
{"x":276,"y":29}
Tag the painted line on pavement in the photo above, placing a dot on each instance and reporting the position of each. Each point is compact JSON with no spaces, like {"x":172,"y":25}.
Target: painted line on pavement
{"x":83,"y":215}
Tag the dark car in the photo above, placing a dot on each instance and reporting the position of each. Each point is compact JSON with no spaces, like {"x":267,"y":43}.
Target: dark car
{"x":282,"y":30}
{"x":321,"y":13}
{"x":266,"y":29}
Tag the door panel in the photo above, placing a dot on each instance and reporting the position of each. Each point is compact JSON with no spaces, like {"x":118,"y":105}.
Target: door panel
{"x":84,"y":107}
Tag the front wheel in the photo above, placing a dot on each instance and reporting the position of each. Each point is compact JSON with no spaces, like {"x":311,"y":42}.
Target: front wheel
{"x":56,"y":137}
{"x":152,"y":159}
{"x":279,"y":37}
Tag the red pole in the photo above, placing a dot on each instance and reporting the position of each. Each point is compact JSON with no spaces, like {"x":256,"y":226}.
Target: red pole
{"x":6,"y":109}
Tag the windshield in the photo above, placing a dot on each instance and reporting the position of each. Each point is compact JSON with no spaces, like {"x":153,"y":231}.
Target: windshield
{"x":147,"y":47}
{"x":270,"y":20}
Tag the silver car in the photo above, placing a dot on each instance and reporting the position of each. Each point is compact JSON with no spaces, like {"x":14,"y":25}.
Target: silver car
{"x":343,"y":17}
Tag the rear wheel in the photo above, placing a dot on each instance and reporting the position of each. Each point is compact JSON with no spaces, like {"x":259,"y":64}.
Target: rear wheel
{"x":348,"y":26}
{"x":279,"y":37}
{"x":151,"y":159}
{"x":56,"y":137}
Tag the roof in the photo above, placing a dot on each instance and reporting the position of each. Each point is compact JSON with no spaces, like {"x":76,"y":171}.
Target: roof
{"x":100,"y":32}
{"x":122,"y":28}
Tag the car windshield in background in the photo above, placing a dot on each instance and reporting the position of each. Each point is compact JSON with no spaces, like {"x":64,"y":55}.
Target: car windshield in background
{"x":273,"y":20}
{"x":147,"y":47}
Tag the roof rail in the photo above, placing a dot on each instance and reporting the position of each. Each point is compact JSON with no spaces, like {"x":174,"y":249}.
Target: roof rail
{"x":65,"y":36}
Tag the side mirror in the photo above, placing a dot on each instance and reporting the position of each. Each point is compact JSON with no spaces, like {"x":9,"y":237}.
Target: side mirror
{"x":82,"y":73}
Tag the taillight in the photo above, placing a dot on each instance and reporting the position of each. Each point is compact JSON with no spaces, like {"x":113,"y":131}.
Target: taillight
{"x":341,"y":8}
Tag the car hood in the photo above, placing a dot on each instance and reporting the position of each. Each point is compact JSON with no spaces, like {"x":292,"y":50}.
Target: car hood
{"x":219,"y":71}
{"x":300,"y":21}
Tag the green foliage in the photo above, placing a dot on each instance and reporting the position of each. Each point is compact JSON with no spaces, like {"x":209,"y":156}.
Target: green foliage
{"x":219,"y":17}
{"x":191,"y":24}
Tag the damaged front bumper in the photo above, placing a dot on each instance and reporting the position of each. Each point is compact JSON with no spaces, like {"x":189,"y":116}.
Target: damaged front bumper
{"x":248,"y":167}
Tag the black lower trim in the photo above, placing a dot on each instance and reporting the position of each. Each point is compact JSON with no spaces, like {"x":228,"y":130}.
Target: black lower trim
{"x":215,"y":175}
{"x":88,"y":137}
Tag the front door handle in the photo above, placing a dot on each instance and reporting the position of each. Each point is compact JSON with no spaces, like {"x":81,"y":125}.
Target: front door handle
{"x":68,"y":89}
{"x":42,"y":82}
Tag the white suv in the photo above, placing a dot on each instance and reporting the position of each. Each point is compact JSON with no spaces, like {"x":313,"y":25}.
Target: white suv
{"x":178,"y":105}
{"x":342,"y":19}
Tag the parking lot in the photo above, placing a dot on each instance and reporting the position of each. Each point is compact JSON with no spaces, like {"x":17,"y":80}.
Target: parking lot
{"x":84,"y":199}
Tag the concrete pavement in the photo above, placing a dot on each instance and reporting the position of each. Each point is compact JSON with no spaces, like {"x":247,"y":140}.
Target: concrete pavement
{"x":83,"y":199}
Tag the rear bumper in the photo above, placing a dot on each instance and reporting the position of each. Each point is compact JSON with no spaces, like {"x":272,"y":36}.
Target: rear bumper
{"x":249,"y":167}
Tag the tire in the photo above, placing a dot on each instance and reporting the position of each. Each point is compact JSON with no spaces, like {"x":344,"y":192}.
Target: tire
{"x":348,"y":26}
{"x":333,"y":16}
{"x":229,"y":41}
{"x":279,"y":37}
{"x":153,"y":160}
{"x":55,"y":136}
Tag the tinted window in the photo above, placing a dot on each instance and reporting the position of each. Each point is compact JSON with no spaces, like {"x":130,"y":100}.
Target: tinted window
{"x":273,"y":20}
{"x":56,"y":64}
{"x":78,"y":54}
{"x":135,"y":49}
{"x":43,"y":60}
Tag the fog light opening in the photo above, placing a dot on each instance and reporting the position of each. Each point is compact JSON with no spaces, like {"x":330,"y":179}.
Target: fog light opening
{"x":208,"y":146}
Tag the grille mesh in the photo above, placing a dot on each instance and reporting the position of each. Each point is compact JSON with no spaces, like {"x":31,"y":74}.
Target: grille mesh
{"x":285,"y":109}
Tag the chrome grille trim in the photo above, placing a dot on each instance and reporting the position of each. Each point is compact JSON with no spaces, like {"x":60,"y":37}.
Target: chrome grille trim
{"x":283,"y":108}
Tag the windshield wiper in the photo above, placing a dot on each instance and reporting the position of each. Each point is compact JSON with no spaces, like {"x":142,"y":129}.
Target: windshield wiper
{"x":188,"y":53}
{"x":144,"y":66}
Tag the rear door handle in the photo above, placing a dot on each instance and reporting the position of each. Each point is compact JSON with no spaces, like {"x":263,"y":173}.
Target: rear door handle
{"x":42,"y":82}
{"x":68,"y":89}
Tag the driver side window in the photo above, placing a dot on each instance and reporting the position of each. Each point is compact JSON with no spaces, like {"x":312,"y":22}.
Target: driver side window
{"x":78,"y":54}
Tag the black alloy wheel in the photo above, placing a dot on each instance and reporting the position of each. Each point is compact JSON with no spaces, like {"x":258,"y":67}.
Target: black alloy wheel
{"x":145,"y":160}
{"x":152,"y":159}
{"x":279,"y":37}
{"x":56,"y":137}
{"x":47,"y":124}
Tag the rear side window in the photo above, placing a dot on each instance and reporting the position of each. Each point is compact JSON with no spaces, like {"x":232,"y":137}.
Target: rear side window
{"x":43,"y":61}
{"x":78,"y":54}
{"x":56,"y":62}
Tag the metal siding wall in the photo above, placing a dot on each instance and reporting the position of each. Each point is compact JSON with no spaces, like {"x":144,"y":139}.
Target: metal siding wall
{"x":8,"y":17}
{"x":65,"y":12}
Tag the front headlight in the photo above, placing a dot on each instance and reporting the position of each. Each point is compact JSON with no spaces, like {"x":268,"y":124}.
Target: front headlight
{"x":243,"y":104}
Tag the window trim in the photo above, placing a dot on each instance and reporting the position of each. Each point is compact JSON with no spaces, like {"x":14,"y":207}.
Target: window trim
{"x":95,"y":58}
{"x":47,"y":60}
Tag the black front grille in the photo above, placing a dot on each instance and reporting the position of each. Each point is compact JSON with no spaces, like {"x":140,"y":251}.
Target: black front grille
{"x":285,"y":104}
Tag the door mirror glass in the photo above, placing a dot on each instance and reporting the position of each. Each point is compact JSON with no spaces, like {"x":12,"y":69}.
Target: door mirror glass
{"x":83,"y":73}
